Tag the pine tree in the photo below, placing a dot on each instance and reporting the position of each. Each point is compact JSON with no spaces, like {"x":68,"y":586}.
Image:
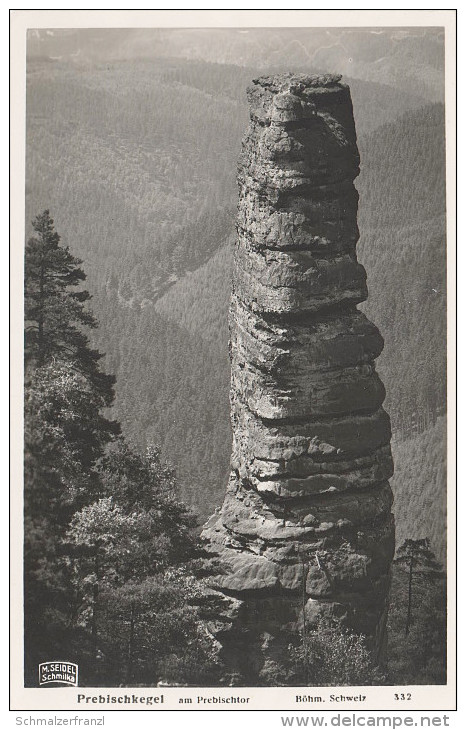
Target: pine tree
{"x":66,"y":391}
{"x":418,"y":657}
{"x":55,"y":312}
{"x":418,"y":559}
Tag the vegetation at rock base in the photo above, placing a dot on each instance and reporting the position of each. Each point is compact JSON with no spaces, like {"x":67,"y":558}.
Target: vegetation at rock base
{"x":326,"y":655}
{"x":329,"y":656}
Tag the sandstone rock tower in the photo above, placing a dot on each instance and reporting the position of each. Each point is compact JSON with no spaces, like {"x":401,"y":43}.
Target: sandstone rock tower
{"x":306,"y":528}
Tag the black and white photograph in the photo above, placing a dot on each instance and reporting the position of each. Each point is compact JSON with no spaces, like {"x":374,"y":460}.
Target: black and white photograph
{"x":233,"y":467}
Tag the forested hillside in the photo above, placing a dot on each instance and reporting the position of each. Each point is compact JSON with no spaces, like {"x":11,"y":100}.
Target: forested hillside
{"x":137,"y":162}
{"x":403,"y":247}
{"x":419,"y":486}
{"x":199,"y":302}
{"x":142,"y":174}
{"x":172,"y":391}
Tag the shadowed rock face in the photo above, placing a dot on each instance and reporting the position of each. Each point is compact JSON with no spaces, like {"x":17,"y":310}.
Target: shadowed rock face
{"x":306,"y":529}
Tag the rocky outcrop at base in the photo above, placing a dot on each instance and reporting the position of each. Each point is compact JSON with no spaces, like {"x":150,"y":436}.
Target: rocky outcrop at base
{"x":306,"y":529}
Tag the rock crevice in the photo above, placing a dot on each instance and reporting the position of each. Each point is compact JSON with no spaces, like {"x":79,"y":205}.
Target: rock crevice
{"x":308,"y":506}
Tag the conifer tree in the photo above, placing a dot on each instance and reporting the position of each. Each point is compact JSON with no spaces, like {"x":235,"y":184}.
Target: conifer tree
{"x":66,"y":391}
{"x":417,"y":647}
{"x":55,"y":312}
{"x":418,"y":559}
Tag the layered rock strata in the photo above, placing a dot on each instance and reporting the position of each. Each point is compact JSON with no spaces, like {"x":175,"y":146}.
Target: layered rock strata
{"x":306,"y":529}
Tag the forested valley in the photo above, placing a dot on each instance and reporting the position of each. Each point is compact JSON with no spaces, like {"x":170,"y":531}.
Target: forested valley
{"x":136,"y":163}
{"x":115,"y":575}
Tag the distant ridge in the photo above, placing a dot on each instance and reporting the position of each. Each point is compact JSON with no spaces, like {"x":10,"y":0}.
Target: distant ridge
{"x":409,"y":58}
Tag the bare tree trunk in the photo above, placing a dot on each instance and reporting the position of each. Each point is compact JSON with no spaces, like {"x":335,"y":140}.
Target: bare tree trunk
{"x":40,"y":334}
{"x":410,"y":585}
{"x":304,"y":601}
{"x":95,"y":597}
{"x":131,"y":644}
